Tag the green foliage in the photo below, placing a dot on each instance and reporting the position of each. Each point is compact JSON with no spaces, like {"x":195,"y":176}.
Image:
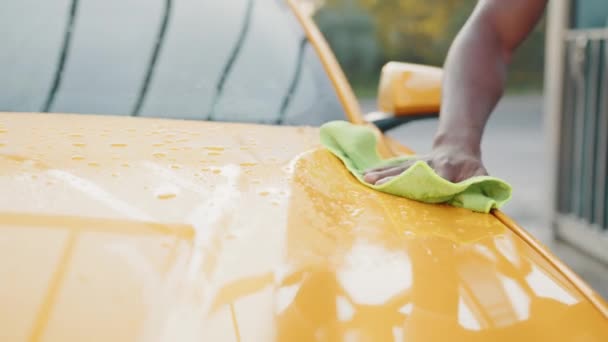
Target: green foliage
{"x":365,"y":34}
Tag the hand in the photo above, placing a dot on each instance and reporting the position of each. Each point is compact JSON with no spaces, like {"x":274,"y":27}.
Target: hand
{"x":451,"y":163}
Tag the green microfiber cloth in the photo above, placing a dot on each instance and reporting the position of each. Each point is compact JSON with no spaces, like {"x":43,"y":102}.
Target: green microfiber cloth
{"x":356,"y":147}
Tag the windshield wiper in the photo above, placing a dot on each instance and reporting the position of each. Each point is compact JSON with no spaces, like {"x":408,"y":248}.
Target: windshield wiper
{"x":294,"y":82}
{"x":219,"y":88}
{"x":67,"y":40}
{"x":153,"y":59}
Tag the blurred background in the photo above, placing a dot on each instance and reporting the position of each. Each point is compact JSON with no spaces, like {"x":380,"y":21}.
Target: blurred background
{"x":531,"y":140}
{"x":365,"y":34}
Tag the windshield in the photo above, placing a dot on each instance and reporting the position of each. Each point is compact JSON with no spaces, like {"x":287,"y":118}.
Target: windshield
{"x":230,"y":60}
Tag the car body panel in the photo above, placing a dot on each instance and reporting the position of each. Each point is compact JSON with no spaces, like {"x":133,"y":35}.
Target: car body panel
{"x":125,"y":229}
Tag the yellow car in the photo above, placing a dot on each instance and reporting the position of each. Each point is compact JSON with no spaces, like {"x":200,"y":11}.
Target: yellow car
{"x":125,"y":228}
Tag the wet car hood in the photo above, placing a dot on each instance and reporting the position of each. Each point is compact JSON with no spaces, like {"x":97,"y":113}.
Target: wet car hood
{"x":129,"y":229}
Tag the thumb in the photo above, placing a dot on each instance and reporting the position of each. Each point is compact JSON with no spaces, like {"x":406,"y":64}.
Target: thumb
{"x":481,"y":171}
{"x":446,"y":173}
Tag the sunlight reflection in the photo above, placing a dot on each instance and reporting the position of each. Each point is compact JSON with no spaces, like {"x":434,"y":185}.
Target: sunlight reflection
{"x":466,"y":318}
{"x":506,"y":247}
{"x":371,"y":274}
{"x":545,"y":287}
{"x":485,"y":251}
{"x":519,"y":300}
{"x":285,"y":296}
{"x":345,"y":309}
{"x":407,"y":309}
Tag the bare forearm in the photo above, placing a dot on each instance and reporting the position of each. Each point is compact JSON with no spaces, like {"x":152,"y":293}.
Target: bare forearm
{"x":476,"y":67}
{"x":474,"y":79}
{"x":475,"y":73}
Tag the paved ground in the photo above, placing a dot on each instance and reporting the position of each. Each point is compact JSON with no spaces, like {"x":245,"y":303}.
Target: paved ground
{"x":514,"y":149}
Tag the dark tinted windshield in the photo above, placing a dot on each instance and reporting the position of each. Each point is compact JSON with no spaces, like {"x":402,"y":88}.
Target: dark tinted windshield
{"x":228,"y":60}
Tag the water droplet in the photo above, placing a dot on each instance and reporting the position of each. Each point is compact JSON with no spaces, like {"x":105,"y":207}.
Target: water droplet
{"x":165,"y":192}
{"x":165,"y":196}
{"x":159,"y":154}
{"x":77,"y":157}
{"x":79,"y":144}
{"x":213,"y":148}
{"x":118,"y":145}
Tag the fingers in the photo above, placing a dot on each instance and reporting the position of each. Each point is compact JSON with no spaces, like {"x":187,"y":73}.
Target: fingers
{"x":375,"y":176}
{"x":448,"y":171}
{"x":446,"y":174}
{"x":384,"y":180}
{"x":453,"y":166}
{"x":383,"y":175}
{"x":378,"y":169}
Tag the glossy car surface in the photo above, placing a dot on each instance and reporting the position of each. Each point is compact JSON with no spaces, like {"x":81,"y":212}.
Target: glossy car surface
{"x":127,"y":228}
{"x":121,"y":229}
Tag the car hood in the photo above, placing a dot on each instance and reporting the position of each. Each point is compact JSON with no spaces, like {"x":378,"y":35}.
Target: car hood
{"x":123,"y":229}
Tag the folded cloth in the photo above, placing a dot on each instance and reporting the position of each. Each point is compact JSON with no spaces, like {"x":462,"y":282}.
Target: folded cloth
{"x":356,"y":147}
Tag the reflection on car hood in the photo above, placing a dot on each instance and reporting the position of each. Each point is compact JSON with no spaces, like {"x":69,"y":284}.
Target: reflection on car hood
{"x":122,"y":229}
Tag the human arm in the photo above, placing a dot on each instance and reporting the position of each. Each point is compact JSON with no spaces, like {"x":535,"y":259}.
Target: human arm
{"x":474,"y":80}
